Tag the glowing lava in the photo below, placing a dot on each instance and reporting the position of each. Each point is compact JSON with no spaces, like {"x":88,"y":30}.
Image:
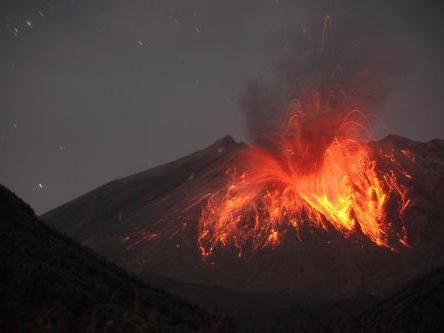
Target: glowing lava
{"x":321,"y":175}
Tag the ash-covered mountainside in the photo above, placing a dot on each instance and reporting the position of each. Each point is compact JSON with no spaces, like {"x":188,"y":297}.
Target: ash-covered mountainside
{"x":51,"y":284}
{"x":148,"y":224}
{"x":418,"y":307}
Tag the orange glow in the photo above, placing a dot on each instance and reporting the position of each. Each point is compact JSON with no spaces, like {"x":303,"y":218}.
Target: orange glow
{"x":321,"y":176}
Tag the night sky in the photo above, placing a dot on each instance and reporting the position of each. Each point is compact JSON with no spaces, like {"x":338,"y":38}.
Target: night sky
{"x":95,"y":90}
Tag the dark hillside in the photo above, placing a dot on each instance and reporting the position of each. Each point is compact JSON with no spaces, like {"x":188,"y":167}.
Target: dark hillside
{"x":51,"y":284}
{"x":418,"y":307}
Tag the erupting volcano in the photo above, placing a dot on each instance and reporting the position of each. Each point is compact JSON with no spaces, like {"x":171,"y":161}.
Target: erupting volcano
{"x":319,"y":174}
{"x":320,"y":214}
{"x":313,"y":208}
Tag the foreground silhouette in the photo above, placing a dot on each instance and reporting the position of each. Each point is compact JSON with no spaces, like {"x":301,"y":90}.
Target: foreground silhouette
{"x":51,"y":284}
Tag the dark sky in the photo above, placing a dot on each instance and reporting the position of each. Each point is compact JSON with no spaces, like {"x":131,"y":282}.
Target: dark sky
{"x":95,"y":90}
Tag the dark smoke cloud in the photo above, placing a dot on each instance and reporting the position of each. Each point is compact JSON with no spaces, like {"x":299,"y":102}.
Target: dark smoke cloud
{"x":352,"y":53}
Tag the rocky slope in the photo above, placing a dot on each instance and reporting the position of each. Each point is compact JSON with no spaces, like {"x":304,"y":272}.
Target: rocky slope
{"x":51,"y":284}
{"x":418,"y":307}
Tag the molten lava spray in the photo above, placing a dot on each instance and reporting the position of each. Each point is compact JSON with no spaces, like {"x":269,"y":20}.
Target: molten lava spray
{"x":312,"y":169}
{"x":321,"y":175}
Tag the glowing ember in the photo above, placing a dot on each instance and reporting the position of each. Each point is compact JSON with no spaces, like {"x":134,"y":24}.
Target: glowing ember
{"x":321,"y":175}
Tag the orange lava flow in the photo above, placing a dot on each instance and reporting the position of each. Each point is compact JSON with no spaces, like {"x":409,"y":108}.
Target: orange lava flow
{"x":321,"y":176}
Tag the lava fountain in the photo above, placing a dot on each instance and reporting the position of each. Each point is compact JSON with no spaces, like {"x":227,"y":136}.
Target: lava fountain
{"x":320,"y":174}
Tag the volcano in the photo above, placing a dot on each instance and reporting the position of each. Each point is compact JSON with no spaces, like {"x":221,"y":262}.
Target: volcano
{"x":151,"y":224}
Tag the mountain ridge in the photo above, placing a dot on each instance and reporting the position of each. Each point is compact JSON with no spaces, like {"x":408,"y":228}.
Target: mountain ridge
{"x":50,"y":283}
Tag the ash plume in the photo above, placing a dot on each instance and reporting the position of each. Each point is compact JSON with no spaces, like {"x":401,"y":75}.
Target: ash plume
{"x":344,"y":57}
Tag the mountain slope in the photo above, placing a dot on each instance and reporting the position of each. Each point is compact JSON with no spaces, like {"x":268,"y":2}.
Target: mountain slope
{"x":49,"y":283}
{"x":147,"y":223}
{"x":418,"y":307}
